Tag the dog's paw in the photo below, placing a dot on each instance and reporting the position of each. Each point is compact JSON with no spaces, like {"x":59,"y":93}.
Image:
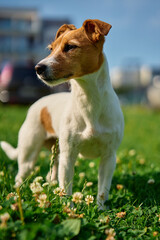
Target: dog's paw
{"x":50,"y":178}
{"x":102,"y":202}
{"x":18,"y":182}
{"x":103,"y":207}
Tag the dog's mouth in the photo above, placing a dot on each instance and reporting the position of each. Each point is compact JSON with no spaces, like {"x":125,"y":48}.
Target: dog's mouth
{"x":68,"y":76}
{"x":53,"y":80}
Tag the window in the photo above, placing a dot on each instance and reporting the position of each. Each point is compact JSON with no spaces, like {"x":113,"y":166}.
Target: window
{"x":5,"y":23}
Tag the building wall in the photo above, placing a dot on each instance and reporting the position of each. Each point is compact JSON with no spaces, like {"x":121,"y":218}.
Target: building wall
{"x":24,"y":35}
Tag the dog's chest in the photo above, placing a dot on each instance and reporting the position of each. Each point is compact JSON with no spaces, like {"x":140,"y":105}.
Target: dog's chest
{"x":94,"y":133}
{"x":92,"y":142}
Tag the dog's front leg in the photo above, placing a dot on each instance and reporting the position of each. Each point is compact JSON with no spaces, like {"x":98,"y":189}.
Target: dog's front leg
{"x":66,"y":169}
{"x":106,"y":169}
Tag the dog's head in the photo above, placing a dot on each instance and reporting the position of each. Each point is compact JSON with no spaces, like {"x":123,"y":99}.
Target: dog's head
{"x":74,"y":53}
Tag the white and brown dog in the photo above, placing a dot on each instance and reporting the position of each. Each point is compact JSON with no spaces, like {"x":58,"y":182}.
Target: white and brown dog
{"x":87,"y":121}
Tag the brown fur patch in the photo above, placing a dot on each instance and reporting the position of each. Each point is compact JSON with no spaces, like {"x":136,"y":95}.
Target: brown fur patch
{"x":88,"y":55}
{"x":96,"y":28}
{"x":46,"y":120}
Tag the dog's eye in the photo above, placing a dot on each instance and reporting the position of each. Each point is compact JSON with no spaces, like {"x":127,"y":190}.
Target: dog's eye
{"x":69,"y":47}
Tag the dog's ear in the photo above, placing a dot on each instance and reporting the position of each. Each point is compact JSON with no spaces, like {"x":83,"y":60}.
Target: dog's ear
{"x":64,"y":28}
{"x":96,"y":28}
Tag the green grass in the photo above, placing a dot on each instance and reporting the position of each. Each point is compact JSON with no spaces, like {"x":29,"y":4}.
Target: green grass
{"x":138,"y":161}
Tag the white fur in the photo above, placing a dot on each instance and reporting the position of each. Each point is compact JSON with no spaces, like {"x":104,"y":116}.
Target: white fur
{"x":88,"y":121}
{"x":91,"y":125}
{"x":11,"y":152}
{"x":48,"y":62}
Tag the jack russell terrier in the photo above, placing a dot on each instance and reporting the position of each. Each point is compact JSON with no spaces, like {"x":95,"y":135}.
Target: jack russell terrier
{"x":88,"y":121}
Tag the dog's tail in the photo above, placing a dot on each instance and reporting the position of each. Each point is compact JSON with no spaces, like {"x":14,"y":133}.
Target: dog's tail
{"x":10,"y":151}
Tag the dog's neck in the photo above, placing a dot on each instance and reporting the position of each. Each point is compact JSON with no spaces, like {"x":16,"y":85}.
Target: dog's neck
{"x":92,"y":85}
{"x":89,"y":92}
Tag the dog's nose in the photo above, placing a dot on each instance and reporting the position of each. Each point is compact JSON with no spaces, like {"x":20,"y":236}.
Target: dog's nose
{"x":40,"y":68}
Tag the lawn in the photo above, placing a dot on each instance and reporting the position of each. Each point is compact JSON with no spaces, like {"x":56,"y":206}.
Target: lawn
{"x":134,"y":200}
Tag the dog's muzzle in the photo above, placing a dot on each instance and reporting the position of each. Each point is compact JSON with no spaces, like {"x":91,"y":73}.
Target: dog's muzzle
{"x":44,"y":74}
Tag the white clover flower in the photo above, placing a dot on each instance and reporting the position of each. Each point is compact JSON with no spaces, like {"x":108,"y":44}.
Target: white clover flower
{"x":62,"y":193}
{"x":12,"y":194}
{"x":110,"y":234}
{"x":59,"y":191}
{"x":89,"y":184}
{"x":82,"y":175}
{"x":77,"y":197}
{"x":119,"y":186}
{"x":118,"y":160}
{"x":2,"y":173}
{"x":45,"y":184}
{"x":105,"y":219}
{"x":89,"y":199}
{"x":42,"y":199}
{"x":132,"y":152}
{"x":101,"y":220}
{"x":151,"y":181}
{"x":36,"y":187}
{"x":14,"y":206}
{"x":91,"y":164}
{"x":121,"y":214}
{"x":77,"y":163}
{"x":67,"y":205}
{"x":142,"y":161}
{"x":53,"y":183}
{"x":38,"y":179}
{"x":155,"y":233}
{"x":4,"y":217}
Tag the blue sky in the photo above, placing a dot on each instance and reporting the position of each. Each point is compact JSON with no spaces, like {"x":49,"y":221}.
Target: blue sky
{"x":135,"y":33}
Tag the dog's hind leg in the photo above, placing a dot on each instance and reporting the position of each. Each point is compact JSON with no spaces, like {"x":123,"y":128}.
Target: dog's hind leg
{"x":29,"y":145}
{"x":25,"y":167}
{"x":106,"y":169}
{"x":26,"y":161}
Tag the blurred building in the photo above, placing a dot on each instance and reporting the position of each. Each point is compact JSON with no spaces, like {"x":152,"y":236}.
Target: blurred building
{"x":139,"y":84}
{"x":24,"y":35}
{"x":131,"y":82}
{"x":153,"y":91}
{"x":126,"y":79}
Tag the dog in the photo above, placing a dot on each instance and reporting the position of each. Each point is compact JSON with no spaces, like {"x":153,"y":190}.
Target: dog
{"x":87,"y":121}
